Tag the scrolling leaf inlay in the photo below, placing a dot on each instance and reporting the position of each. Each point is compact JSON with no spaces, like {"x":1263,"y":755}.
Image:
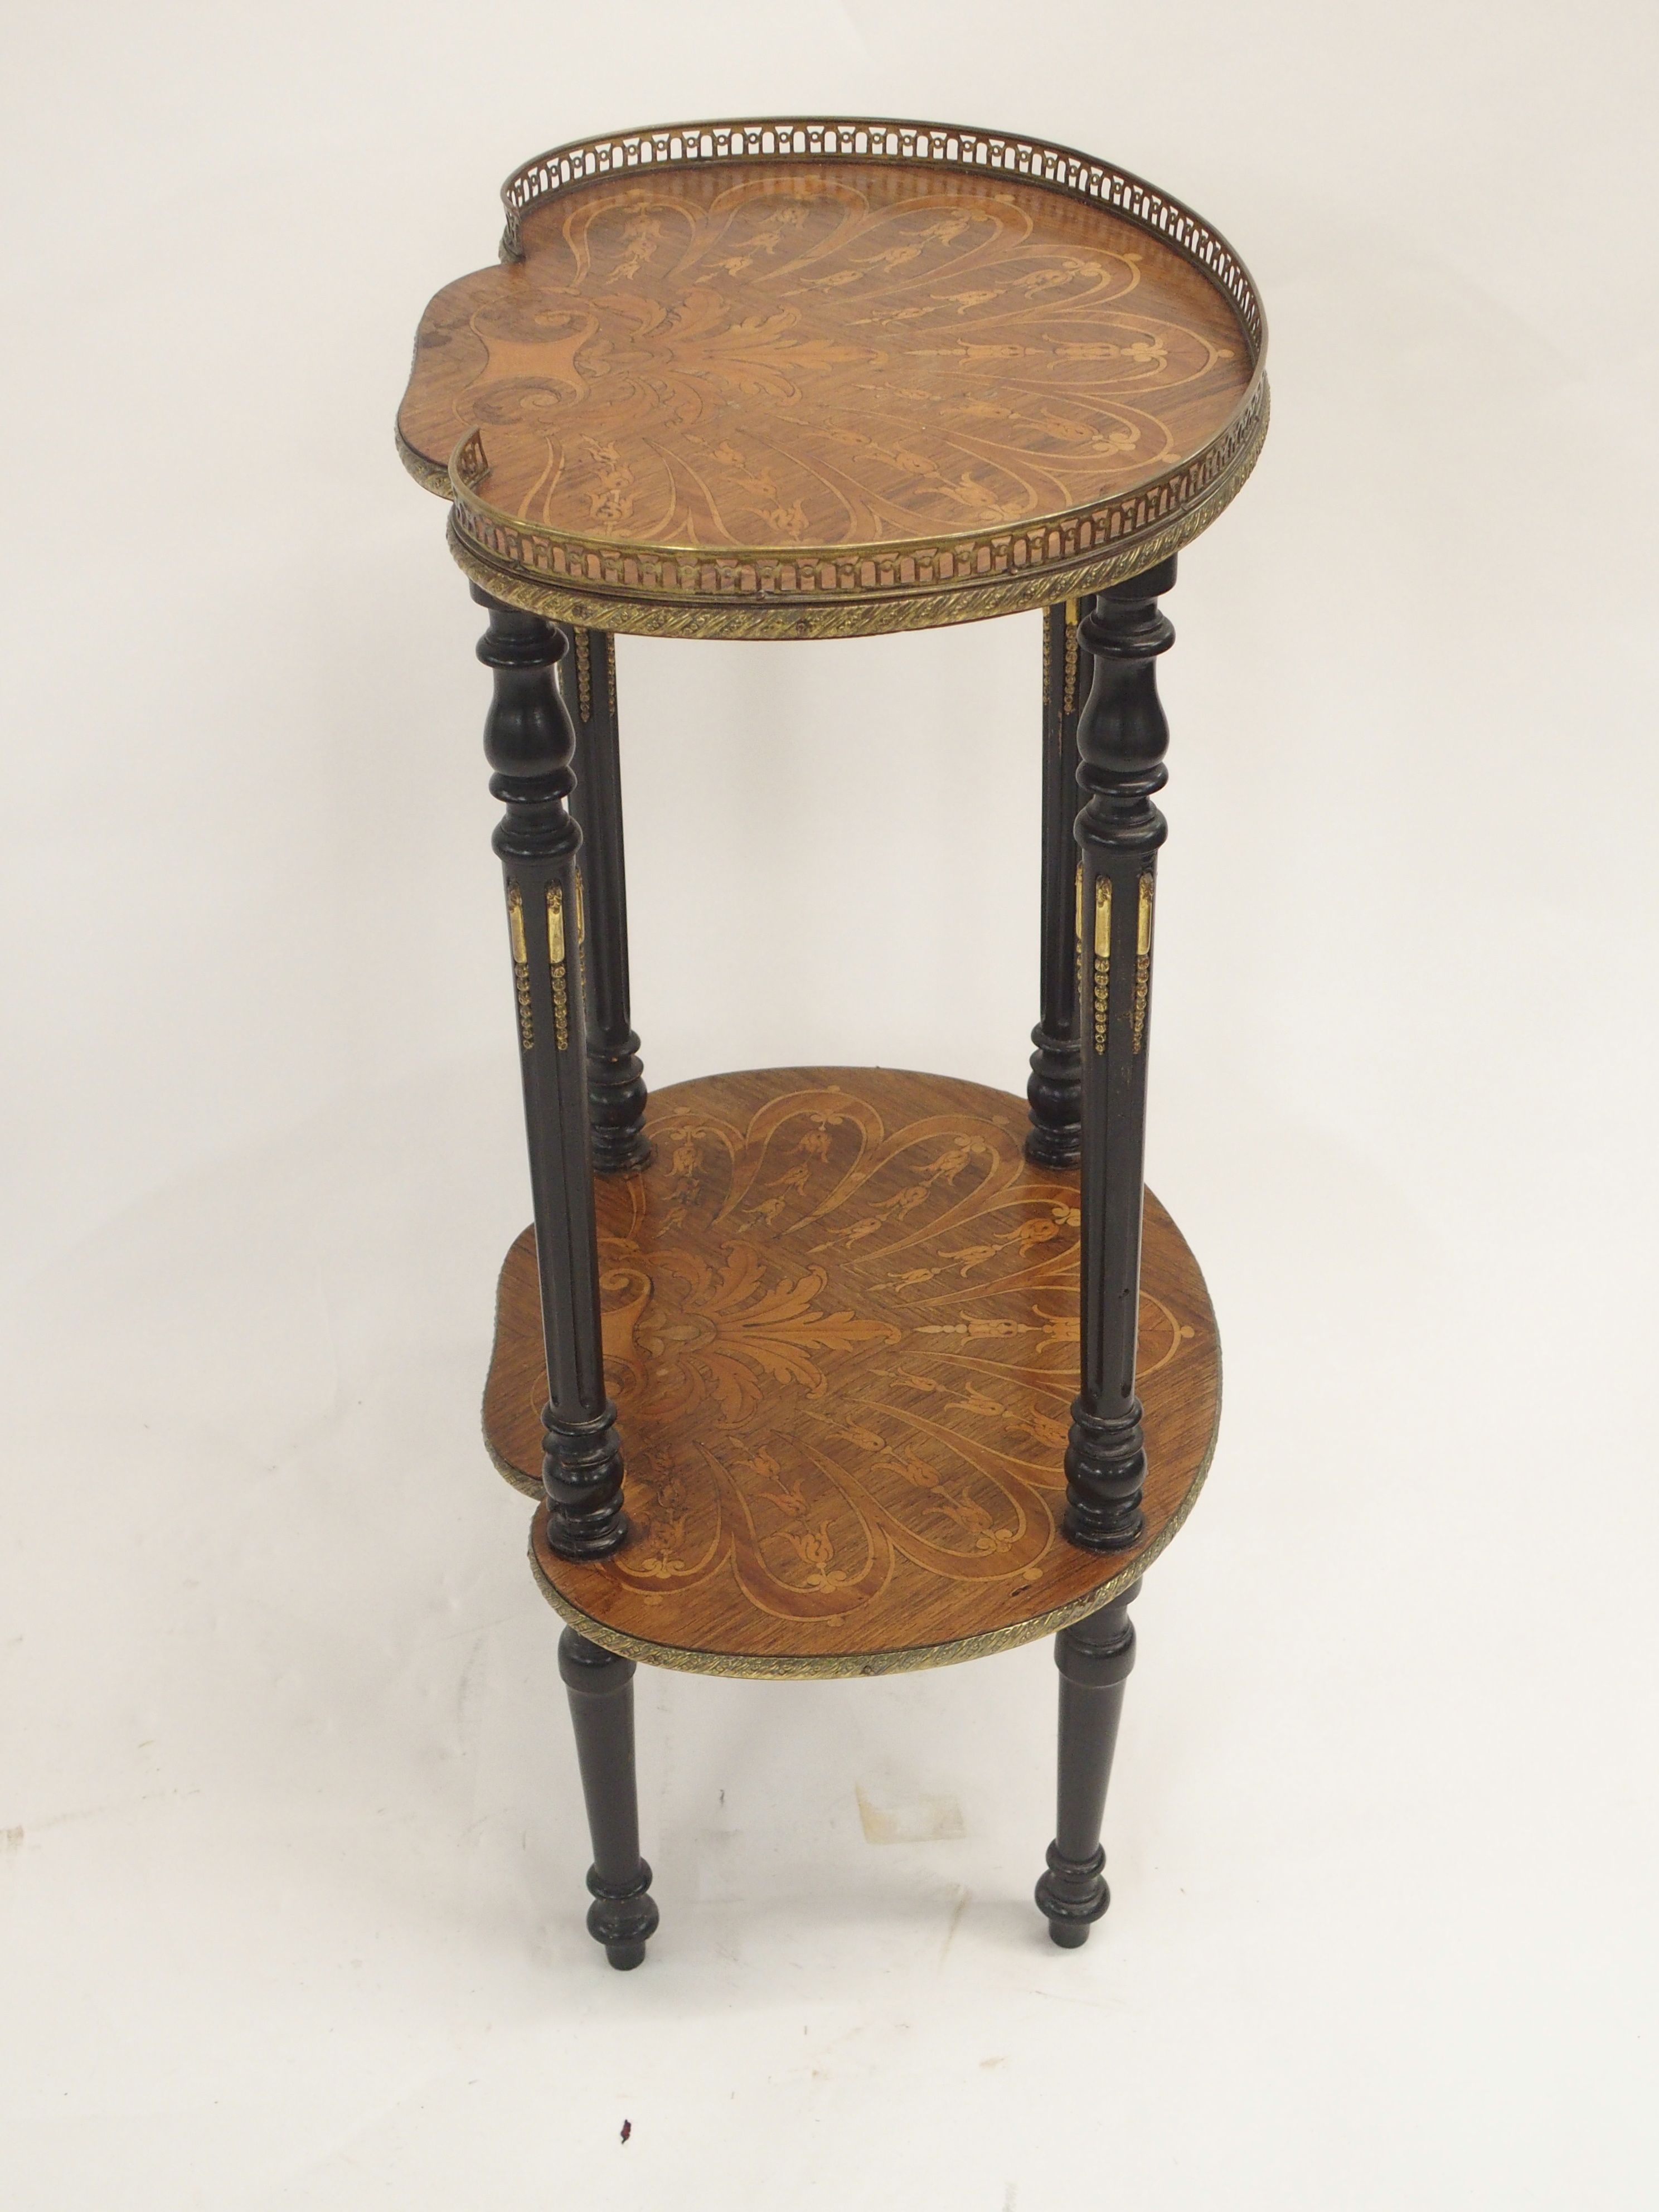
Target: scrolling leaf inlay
{"x":840,"y":1330}
{"x":753,"y":370}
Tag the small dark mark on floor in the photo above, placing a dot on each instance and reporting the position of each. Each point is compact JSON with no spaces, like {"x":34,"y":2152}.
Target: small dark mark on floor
{"x":627,"y":2129}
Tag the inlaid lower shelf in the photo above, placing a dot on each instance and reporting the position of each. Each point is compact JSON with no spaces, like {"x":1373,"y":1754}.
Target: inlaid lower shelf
{"x":841,"y":1328}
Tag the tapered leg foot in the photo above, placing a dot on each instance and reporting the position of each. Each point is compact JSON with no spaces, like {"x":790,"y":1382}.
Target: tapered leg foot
{"x":1073,"y":1895}
{"x":623,"y":1914}
{"x":1094,"y":1657}
{"x":623,"y":1918}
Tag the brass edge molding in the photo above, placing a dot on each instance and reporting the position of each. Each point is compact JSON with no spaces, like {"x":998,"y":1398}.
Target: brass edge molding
{"x":426,"y":473}
{"x":1046,"y":550}
{"x":780,"y":619}
{"x":526,"y":1486}
{"x":584,"y":673}
{"x":1068,"y":702}
{"x":795,"y":1666}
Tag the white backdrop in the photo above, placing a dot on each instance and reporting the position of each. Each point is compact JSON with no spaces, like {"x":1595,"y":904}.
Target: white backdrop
{"x":290,"y":1890}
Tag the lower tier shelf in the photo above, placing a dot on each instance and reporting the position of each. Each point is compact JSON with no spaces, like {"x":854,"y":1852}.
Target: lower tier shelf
{"x":841,"y":1328}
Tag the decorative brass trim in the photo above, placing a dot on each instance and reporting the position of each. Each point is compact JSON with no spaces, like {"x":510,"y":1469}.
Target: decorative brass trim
{"x":539,"y":593}
{"x":830,"y":591}
{"x":794,"y":1666}
{"x":1103,"y":957}
{"x":610,"y":648}
{"x":584,"y":674}
{"x":1143,"y":959}
{"x":557,"y":967}
{"x":521,"y":966}
{"x":1068,"y":703}
{"x":426,"y":473}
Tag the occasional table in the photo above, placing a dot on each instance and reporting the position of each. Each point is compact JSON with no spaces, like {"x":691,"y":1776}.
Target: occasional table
{"x":829,"y":1371}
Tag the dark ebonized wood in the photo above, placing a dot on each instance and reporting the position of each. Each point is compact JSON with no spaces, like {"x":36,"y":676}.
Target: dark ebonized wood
{"x":1094,"y":1656}
{"x":615,"y":1078}
{"x":600,"y":1683}
{"x":1121,"y":739}
{"x":1054,"y":1091}
{"x":529,"y":741}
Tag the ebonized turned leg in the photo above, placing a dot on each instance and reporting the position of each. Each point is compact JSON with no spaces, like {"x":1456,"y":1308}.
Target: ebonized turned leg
{"x":623,"y":1914}
{"x":616,"y":1078}
{"x":528,"y":741}
{"x":1054,"y":1138}
{"x":1121,"y":739}
{"x":1094,"y":1657}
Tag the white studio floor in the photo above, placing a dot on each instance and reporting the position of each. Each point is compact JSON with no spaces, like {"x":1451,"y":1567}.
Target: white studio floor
{"x":291,"y":1844}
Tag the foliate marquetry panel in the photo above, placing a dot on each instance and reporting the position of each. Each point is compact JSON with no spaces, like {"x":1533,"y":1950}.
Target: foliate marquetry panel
{"x":820,"y":370}
{"x":841,"y":1327}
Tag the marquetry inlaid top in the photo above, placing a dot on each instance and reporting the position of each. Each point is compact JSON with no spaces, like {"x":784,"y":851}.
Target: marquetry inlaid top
{"x":840,"y":1330}
{"x":747,"y":383}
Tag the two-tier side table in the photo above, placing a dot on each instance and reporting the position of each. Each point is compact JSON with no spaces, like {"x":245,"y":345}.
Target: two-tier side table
{"x":894,"y":1378}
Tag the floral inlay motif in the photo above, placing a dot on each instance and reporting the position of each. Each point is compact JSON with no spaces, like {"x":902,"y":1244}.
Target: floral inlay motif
{"x":822,"y":358}
{"x":841,"y":1351}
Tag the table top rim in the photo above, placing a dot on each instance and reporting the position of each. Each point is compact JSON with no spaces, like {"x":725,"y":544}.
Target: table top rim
{"x":755,"y":591}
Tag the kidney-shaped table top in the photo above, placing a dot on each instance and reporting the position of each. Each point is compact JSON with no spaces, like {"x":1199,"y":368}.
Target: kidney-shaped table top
{"x":820,"y":379}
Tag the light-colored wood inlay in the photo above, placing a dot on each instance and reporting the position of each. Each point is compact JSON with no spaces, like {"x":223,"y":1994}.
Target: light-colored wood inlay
{"x":791,"y":355}
{"x":841,"y":1327}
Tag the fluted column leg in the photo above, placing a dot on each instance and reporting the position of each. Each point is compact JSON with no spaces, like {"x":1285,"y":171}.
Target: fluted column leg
{"x":615,"y":1078}
{"x":1094,"y":1657}
{"x":1121,"y":739}
{"x":528,"y":741}
{"x":623,"y":1914}
{"x":1055,"y":1138}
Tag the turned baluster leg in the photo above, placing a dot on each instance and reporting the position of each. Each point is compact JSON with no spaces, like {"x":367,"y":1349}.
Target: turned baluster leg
{"x":1094,"y":1657}
{"x":1121,"y":739}
{"x":623,"y":1916}
{"x":615,"y":1079}
{"x":1054,"y":1138}
{"x":528,"y":741}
